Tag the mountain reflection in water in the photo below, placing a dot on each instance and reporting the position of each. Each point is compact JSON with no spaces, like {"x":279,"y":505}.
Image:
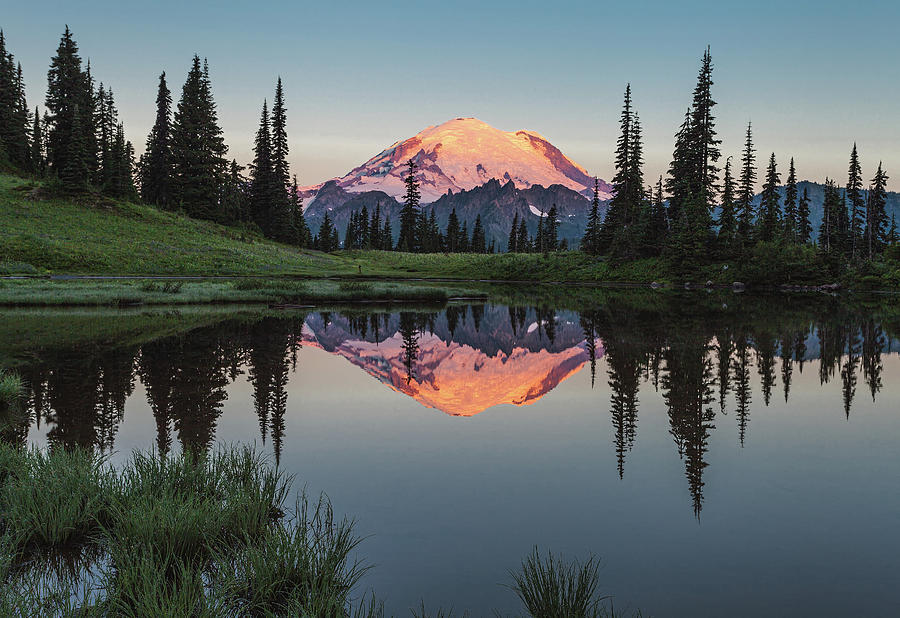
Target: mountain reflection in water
{"x":463,"y":360}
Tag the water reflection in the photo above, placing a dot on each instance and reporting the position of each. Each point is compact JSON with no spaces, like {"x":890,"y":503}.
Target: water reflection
{"x":701,"y":359}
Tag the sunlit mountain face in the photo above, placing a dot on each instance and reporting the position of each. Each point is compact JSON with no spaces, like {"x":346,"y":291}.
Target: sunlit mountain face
{"x":464,"y":360}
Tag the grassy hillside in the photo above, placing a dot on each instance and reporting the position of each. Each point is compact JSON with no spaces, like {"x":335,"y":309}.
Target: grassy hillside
{"x":98,"y":235}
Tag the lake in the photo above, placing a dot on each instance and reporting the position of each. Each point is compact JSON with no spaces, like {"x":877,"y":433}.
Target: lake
{"x":721,"y":453}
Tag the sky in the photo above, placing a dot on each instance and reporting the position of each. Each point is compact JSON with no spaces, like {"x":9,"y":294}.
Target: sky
{"x":813,"y":77}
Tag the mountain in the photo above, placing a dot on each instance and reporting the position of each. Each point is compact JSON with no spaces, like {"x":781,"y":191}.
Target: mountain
{"x":496,"y":203}
{"x":465,"y":153}
{"x":481,"y":360}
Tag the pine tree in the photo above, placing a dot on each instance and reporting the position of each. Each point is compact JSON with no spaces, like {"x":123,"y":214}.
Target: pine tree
{"x":387,"y":234}
{"x":68,"y":95}
{"x":156,"y":164}
{"x":706,"y":145}
{"x":680,"y":170}
{"x":522,"y":242}
{"x":235,"y":194}
{"x":853,"y":193}
{"x":410,"y":211}
{"x":479,"y":244}
{"x":37,"y":146}
{"x":453,"y":232}
{"x":892,"y":237}
{"x":617,"y":232}
{"x":551,"y":230}
{"x":769,"y":208}
{"x":198,"y":149}
{"x":73,"y":171}
{"x":513,"y":234}
{"x":746,"y":214}
{"x":727,"y":218}
{"x":14,"y":113}
{"x":264,"y":190}
{"x":464,"y":243}
{"x":804,"y":225}
{"x":590,"y":242}
{"x":876,"y":215}
{"x":790,"y":205}
{"x":658,"y":229}
{"x":280,"y":148}
{"x":327,"y":235}
{"x":301,"y":233}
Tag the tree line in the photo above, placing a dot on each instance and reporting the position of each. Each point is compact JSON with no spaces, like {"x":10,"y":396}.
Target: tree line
{"x":691,"y":216}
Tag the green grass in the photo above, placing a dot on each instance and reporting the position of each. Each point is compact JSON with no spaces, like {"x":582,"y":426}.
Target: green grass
{"x":203,"y":536}
{"x":125,"y":293}
{"x":94,"y":234}
{"x":11,"y":389}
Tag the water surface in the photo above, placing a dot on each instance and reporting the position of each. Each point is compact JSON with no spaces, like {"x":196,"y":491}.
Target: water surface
{"x":723,"y":454}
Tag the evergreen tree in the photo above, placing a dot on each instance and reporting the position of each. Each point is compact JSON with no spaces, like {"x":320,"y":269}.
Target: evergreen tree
{"x":876,"y":215}
{"x":522,"y":242}
{"x":198,"y":149}
{"x":551,"y":230}
{"x":658,"y":228}
{"x":617,"y":232}
{"x":70,"y":131}
{"x":746,"y":214}
{"x":706,"y":145}
{"x":301,"y":233}
{"x":727,"y":217}
{"x":410,"y":211}
{"x":156,"y":164}
{"x":264,"y":186}
{"x":769,"y":208}
{"x":387,"y":234}
{"x":804,"y":225}
{"x":464,"y":238}
{"x":235,"y":194}
{"x":453,"y":233}
{"x":280,"y":148}
{"x":679,"y":174}
{"x":513,"y":234}
{"x":37,"y":146}
{"x":853,"y":193}
{"x":790,"y":205}
{"x":892,"y":237}
{"x":14,"y":114}
{"x":479,"y":244}
{"x":326,"y":238}
{"x":590,"y":242}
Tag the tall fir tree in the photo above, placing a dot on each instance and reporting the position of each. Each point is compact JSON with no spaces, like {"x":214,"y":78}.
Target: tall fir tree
{"x":769,"y":207}
{"x":264,"y":186}
{"x":156,"y":163}
{"x":410,"y":211}
{"x":617,"y":232}
{"x":14,"y":112}
{"x":876,"y":215}
{"x":706,"y":144}
{"x":746,"y":211}
{"x":37,"y":146}
{"x":854,"y":194}
{"x":790,"y":205}
{"x":590,"y":242}
{"x":198,"y":149}
{"x":479,"y":244}
{"x":804,"y":225}
{"x":727,"y":223}
{"x":513,"y":237}
{"x":70,"y":131}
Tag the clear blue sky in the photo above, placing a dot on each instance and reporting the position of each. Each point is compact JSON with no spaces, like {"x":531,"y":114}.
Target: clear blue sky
{"x":813,"y":76}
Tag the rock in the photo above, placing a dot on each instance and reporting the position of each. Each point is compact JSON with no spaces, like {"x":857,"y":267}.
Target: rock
{"x":831,"y":287}
{"x":709,"y":283}
{"x":687,"y":286}
{"x":655,"y":285}
{"x":737,"y":285}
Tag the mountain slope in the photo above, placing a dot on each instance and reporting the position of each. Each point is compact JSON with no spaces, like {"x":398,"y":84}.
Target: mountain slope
{"x":462,"y":154}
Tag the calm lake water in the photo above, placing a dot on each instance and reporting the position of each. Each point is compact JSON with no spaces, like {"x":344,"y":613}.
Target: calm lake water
{"x":723,"y":454}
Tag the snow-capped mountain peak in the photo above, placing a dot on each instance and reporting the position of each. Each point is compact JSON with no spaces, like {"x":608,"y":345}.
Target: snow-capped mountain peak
{"x":465,"y":153}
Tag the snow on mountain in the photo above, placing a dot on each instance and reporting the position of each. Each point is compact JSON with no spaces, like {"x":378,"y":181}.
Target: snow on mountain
{"x":465,"y":153}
